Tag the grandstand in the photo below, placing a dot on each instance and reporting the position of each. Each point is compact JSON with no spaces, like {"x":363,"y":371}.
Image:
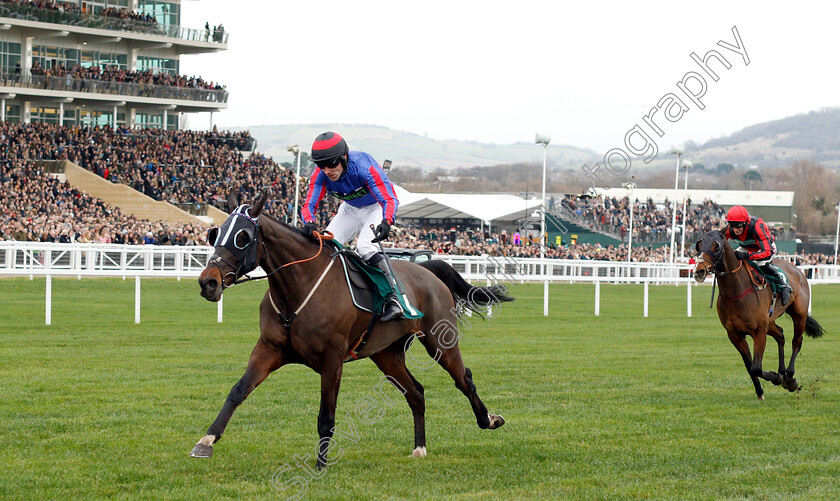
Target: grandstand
{"x":41,"y":42}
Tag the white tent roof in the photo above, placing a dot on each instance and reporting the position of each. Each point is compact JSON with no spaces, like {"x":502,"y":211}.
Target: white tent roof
{"x":721,"y":197}
{"x":445,"y":205}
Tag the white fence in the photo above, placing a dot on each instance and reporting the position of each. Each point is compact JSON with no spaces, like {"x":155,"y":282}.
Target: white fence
{"x":146,"y":261}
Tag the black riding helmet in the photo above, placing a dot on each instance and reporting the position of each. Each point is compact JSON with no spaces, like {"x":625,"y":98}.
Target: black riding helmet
{"x":328,"y":149}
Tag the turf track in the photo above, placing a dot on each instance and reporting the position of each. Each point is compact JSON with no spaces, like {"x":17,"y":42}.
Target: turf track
{"x":610,"y":407}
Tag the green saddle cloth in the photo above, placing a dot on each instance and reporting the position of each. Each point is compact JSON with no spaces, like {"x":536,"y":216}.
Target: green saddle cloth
{"x":775,"y":284}
{"x":379,"y":280}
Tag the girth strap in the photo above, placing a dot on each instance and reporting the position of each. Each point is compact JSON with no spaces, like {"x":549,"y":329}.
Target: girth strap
{"x":353,"y":354}
{"x":738,"y":296}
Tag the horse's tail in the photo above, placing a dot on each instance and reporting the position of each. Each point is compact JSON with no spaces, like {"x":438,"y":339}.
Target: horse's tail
{"x":469,"y":296}
{"x":813,"y":328}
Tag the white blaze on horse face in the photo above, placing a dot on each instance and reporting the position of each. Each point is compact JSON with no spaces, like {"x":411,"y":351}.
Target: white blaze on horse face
{"x":419,"y":452}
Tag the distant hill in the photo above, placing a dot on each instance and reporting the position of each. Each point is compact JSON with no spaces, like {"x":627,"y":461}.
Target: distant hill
{"x":408,"y":149}
{"x":808,"y":136}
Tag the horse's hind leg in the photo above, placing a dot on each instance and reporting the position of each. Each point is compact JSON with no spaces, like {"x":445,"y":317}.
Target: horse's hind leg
{"x":743,"y":348}
{"x":264,"y":360}
{"x":391,"y":362}
{"x":799,"y":319}
{"x":450,"y":360}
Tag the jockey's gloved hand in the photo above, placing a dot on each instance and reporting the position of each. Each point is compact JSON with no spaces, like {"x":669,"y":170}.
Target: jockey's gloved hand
{"x":742,"y":255}
{"x":308,"y":230}
{"x":382,"y":231}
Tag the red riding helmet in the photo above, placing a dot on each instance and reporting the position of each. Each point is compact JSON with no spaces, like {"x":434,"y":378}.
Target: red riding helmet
{"x":738,"y":214}
{"x":328,"y":149}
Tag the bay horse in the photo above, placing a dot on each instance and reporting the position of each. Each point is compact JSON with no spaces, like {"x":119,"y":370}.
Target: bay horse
{"x":744,"y":309}
{"x":307,"y":316}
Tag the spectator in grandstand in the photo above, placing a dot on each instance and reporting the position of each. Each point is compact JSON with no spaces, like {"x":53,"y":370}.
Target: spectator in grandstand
{"x":743,"y":227}
{"x":369,"y":198}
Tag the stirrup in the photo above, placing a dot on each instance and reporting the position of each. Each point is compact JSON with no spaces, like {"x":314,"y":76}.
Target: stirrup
{"x":392,"y":310}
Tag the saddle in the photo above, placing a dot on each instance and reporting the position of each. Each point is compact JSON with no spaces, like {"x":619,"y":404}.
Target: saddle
{"x":761,"y":279}
{"x":368,"y":286}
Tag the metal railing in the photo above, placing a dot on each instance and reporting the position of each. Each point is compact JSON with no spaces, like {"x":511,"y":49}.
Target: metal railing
{"x":44,"y":258}
{"x":10,"y":78}
{"x":29,"y":13}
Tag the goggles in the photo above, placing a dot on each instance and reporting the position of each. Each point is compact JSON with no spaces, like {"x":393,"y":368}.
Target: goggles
{"x":737,"y":224}
{"x":331,"y":164}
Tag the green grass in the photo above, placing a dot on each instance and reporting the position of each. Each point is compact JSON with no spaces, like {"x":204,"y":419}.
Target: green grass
{"x":610,"y":407}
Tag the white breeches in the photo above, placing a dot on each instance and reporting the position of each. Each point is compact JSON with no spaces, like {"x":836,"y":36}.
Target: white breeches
{"x":763,"y":261}
{"x":351,"y":222}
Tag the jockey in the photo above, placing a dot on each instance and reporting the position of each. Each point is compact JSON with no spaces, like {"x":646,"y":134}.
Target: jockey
{"x":757,"y":244}
{"x":368,"y":199}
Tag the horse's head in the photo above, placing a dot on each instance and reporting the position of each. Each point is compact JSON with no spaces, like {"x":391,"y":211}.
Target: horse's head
{"x":710,"y":251}
{"x":237,"y":246}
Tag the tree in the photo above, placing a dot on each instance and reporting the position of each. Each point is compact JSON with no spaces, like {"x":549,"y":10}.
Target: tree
{"x":724,"y":168}
{"x":752,"y":176}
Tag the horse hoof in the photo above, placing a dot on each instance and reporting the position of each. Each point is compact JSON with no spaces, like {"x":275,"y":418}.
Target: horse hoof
{"x":792,"y":385}
{"x":202,"y":451}
{"x":496,"y":421}
{"x":761,"y":397}
{"x":419,"y":452}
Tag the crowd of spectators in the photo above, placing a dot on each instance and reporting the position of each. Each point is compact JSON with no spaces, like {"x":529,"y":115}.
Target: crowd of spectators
{"x":181,"y":167}
{"x":48,"y":5}
{"x":477,"y":243}
{"x":128,"y":14}
{"x":73,"y":8}
{"x":651,"y":223}
{"x":114,"y":73}
{"x":190,"y":167}
{"x":67,"y":12}
{"x":38,"y":207}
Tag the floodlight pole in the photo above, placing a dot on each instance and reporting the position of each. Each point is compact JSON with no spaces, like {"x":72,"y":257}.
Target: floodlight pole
{"x":630,"y":187}
{"x":543,"y":140}
{"x":678,"y":152}
{"x":687,"y":166}
{"x":837,"y":235}
{"x":296,"y":150}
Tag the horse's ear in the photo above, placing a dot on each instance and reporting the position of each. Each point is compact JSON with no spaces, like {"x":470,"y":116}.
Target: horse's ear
{"x":212,"y":234}
{"x":697,"y":247}
{"x":232,"y":200}
{"x":257,"y":206}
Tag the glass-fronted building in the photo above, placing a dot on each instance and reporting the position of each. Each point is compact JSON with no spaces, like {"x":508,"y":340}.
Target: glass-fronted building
{"x":77,"y":62}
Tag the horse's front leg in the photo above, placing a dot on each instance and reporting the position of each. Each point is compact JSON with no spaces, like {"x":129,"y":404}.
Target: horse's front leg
{"x":759,"y":344}
{"x":330,"y":383}
{"x":740,"y":343}
{"x":264,"y":360}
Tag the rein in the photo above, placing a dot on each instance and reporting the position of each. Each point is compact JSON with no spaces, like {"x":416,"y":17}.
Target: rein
{"x":327,"y":235}
{"x":712,"y":269}
{"x":744,"y":293}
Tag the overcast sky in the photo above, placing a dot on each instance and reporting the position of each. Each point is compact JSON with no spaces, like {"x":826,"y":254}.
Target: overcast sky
{"x":582,"y":72}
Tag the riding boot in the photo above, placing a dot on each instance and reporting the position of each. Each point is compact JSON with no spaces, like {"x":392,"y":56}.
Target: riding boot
{"x":771,"y":270}
{"x":392,"y":308}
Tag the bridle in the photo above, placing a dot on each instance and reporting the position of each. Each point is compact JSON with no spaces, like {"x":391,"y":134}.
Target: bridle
{"x":715,"y":266}
{"x":215,"y":259}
